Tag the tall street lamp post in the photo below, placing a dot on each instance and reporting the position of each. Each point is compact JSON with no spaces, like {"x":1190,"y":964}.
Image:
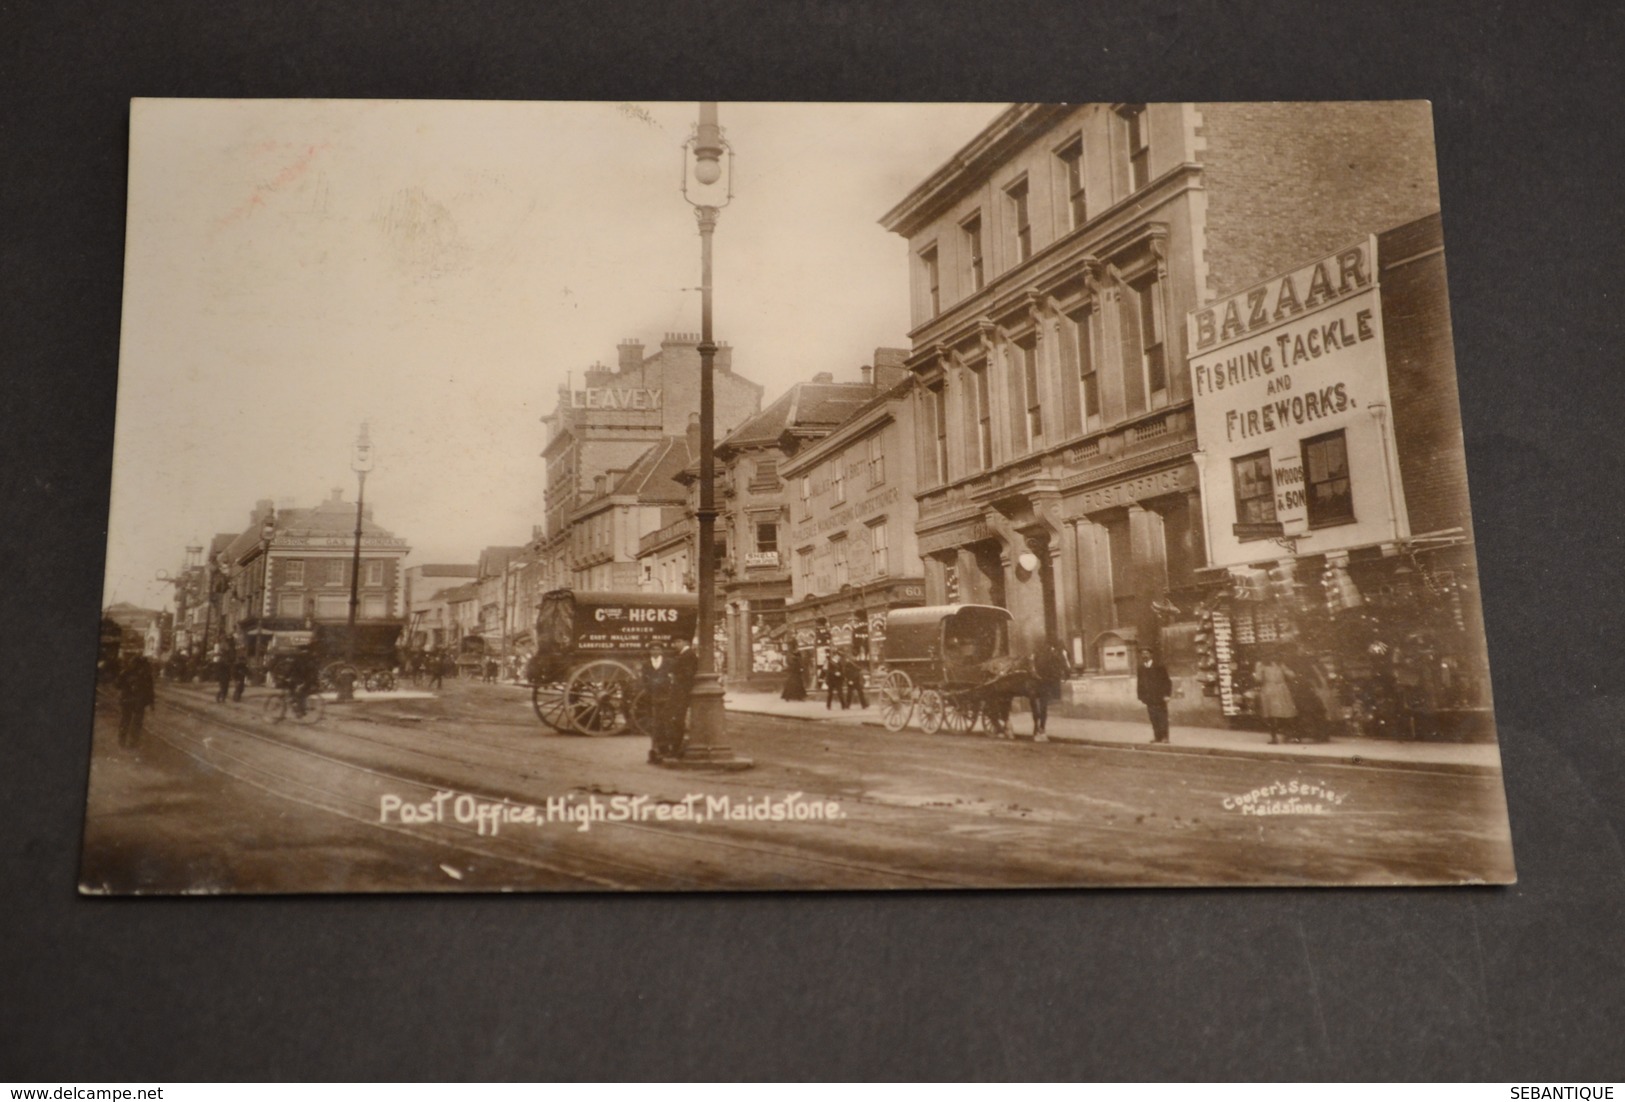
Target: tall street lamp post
{"x":360,"y":462}
{"x":707,"y":185}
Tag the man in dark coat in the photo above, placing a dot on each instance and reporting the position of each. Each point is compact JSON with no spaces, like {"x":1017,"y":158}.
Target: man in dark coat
{"x":852,"y":682}
{"x":1153,"y":686}
{"x":239,"y":677}
{"x":222,"y":675}
{"x":668,"y":680}
{"x":833,"y":690}
{"x":135,"y":695}
{"x":1051,"y":666}
{"x":304,"y":678}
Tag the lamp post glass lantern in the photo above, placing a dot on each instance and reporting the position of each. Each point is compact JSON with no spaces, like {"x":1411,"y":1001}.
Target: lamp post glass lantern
{"x":708,"y":186}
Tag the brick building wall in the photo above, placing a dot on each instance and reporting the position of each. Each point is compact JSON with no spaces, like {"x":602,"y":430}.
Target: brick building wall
{"x":1422,"y":376}
{"x":1289,"y":182}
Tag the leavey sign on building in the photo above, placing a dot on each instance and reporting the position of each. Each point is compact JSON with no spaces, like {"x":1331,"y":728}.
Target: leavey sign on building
{"x":1290,"y":381}
{"x":615,"y":397}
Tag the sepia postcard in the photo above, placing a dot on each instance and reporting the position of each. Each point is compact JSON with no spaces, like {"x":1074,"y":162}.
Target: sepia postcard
{"x":668,"y":496}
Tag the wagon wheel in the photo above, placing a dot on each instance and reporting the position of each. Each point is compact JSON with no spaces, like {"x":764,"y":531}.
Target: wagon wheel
{"x":598,"y":697}
{"x":896,"y":699}
{"x":333,"y":671}
{"x":641,"y":712}
{"x":547,"y":697}
{"x":933,"y":710}
{"x":961,"y":713}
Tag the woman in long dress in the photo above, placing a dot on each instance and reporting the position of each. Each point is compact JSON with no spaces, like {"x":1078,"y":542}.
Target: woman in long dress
{"x":795,"y":686}
{"x":1274,"y":696}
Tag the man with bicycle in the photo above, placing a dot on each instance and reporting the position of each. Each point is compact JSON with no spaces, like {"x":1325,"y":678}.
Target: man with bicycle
{"x":303,"y":678}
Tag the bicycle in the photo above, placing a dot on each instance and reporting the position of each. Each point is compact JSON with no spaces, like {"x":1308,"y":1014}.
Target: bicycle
{"x":379,"y":681}
{"x":280,"y":704}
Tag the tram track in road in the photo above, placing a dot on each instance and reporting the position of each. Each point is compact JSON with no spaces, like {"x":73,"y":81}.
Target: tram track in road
{"x":788,"y":863}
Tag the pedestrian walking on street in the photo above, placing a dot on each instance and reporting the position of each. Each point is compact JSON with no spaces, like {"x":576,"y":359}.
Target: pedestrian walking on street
{"x":1051,"y":666}
{"x":795,"y":685}
{"x":135,"y":695}
{"x":239,"y":678}
{"x":437,"y":670}
{"x":1275,"y":702}
{"x":222,"y":676}
{"x":852,"y":682}
{"x":1153,"y":686}
{"x":832,"y":680}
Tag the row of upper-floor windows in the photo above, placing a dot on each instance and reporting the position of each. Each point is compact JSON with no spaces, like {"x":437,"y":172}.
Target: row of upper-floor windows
{"x":330,"y":571}
{"x":1034,"y":394}
{"x":1013,"y":214}
{"x":875,"y":546}
{"x":862,"y":465}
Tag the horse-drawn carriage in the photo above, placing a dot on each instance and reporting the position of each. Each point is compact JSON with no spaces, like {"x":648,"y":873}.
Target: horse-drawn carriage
{"x":589,"y":647}
{"x":950,"y":666}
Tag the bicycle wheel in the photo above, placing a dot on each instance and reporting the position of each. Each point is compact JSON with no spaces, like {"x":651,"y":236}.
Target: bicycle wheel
{"x":275,"y":708}
{"x":315,"y":709}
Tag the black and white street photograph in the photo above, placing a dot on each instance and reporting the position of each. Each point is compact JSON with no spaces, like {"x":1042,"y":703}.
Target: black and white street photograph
{"x":698,"y":496}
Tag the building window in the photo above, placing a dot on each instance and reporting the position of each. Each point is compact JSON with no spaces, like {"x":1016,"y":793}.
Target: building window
{"x":837,"y":545}
{"x":372,"y":606}
{"x":1080,"y":398}
{"x":1139,"y":145}
{"x":984,"y":417}
{"x":1028,"y":351}
{"x":294,"y":572}
{"x":1255,"y":489}
{"x":1147,"y":308}
{"x":804,"y":559}
{"x":973,"y":249}
{"x":1020,"y":223}
{"x":290,"y":604}
{"x":877,"y":548}
{"x":933,"y":280}
{"x":1071,"y":158}
{"x":375,"y":572}
{"x":337,"y":571}
{"x":1326,"y":479}
{"x":332,"y":607}
{"x":837,"y":479}
{"x":877,"y":460}
{"x":767,"y":536}
{"x":806,"y":495}
{"x":936,"y":398}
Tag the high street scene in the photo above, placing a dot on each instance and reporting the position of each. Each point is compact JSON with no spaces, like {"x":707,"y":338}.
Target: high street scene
{"x":743,"y":496}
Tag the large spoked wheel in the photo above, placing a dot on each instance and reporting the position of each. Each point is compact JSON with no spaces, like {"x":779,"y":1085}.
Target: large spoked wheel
{"x":315,"y":709}
{"x":547,"y":697}
{"x":960,"y":717}
{"x":333,"y":673}
{"x":896,"y":700}
{"x":933,"y":710}
{"x":275,"y":708}
{"x":641,"y":712}
{"x":598,"y":698}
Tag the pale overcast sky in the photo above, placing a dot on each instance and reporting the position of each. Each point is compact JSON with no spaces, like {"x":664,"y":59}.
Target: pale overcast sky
{"x":437,"y":269}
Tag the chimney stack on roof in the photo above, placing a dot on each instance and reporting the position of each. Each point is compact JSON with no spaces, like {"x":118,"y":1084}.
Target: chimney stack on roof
{"x":631,"y":355}
{"x":694,"y":436}
{"x":823,"y":377}
{"x":891,"y":367}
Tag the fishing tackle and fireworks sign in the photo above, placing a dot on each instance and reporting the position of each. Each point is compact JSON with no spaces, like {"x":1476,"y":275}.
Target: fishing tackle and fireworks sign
{"x":1290,"y":382}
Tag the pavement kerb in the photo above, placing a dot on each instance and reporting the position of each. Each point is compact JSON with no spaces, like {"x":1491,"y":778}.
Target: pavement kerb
{"x":1353,"y":759}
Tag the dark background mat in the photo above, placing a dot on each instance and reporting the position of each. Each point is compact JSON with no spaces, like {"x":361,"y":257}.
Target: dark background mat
{"x":1471,"y":983}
